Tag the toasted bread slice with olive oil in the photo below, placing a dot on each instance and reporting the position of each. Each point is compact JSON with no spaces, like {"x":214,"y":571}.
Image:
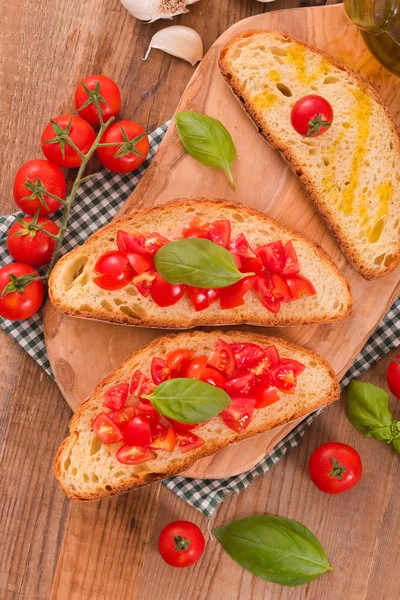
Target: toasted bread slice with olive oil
{"x":352,"y":171}
{"x":72,"y":289}
{"x":86,"y":469}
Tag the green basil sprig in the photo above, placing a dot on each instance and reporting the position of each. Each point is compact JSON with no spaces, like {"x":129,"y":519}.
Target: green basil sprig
{"x":368,"y":411}
{"x":274,"y":548}
{"x":197,"y":262}
{"x":189,"y":400}
{"x":207,"y":140}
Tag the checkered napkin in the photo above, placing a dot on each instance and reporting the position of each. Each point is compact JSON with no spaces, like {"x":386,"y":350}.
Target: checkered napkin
{"x":97,"y":202}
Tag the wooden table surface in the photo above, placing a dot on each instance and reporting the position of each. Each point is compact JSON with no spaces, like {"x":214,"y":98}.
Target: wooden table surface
{"x":52,"y":548}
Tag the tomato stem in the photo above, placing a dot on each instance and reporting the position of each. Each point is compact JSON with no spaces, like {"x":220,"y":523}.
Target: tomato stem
{"x":337,"y":469}
{"x":315,"y":125}
{"x":181,"y":543}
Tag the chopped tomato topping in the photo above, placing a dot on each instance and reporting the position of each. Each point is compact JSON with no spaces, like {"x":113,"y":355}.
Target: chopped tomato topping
{"x":146,"y":407}
{"x":220,"y":232}
{"x":106,"y":430}
{"x":182,"y":428}
{"x":144,"y":282}
{"x":247,"y":355}
{"x":272,"y":291}
{"x":164,"y":294}
{"x":115,"y":282}
{"x":273,"y":256}
{"x":122,"y":416}
{"x":298,"y":367}
{"x":131,"y":243}
{"x":292,"y":262}
{"x":116,"y":397}
{"x":299,"y":287}
{"x":140,"y":263}
{"x":221,"y":358}
{"x":179,"y":359}
{"x":164,"y":441}
{"x":189,"y":442}
{"x":154,"y":243}
{"x":160,"y":371}
{"x":141,"y":385}
{"x":232,"y":295}
{"x":134,"y":455}
{"x":202,"y":298}
{"x":136,"y":432}
{"x":198,"y":369}
{"x":245,"y":258}
{"x":238,"y":415}
{"x":111,"y":263}
{"x":270,"y":359}
{"x":265,"y":395}
{"x":240,"y":385}
{"x":284,"y":378}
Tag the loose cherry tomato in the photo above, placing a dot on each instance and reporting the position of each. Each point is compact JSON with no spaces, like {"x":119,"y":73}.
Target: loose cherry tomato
{"x":32,"y":181}
{"x":393,"y":376}
{"x":134,"y":455}
{"x":136,"y":432}
{"x":100,"y":91}
{"x":57,"y":149}
{"x":115,"y":282}
{"x":111,"y":263}
{"x":220,"y":232}
{"x":283,"y":377}
{"x":292,"y":265}
{"x":299,"y":287}
{"x":28,"y":245}
{"x":106,"y":430}
{"x":245,"y":258}
{"x":202,"y":298}
{"x":265,"y":395}
{"x":181,"y":544}
{"x":164,"y":294}
{"x":116,"y":396}
{"x":197,"y":369}
{"x":311,"y":115}
{"x":222,"y":359}
{"x":144,"y":281}
{"x":190,"y":441}
{"x":240,"y":385}
{"x":335,"y":467}
{"x":130,"y":149}
{"x":160,"y":371}
{"x":232,"y":295}
{"x":238,"y":415}
{"x":179,"y":359}
{"x":273,"y":256}
{"x":154,"y":242}
{"x":164,"y":441}
{"x":122,"y":416}
{"x":24,"y":296}
{"x":247,"y":355}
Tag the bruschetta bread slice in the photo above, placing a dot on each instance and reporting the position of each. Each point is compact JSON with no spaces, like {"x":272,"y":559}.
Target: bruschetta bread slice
{"x":279,"y":382}
{"x":352,"y":171}
{"x":77,"y":288}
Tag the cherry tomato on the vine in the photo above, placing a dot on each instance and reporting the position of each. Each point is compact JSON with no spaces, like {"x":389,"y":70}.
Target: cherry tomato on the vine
{"x":31,"y":182}
{"x":181,"y":544}
{"x":29,"y":245}
{"x":335,"y":467}
{"x":311,"y":115}
{"x":129,"y":150}
{"x":393,"y":376}
{"x":55,"y":146}
{"x":24,"y":297}
{"x":97,"y":91}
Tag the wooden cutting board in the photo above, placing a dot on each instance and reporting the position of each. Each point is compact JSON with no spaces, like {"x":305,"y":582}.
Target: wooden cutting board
{"x":82,"y":352}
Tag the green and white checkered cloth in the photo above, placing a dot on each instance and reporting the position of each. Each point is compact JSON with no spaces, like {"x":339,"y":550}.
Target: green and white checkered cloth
{"x":97,"y":202}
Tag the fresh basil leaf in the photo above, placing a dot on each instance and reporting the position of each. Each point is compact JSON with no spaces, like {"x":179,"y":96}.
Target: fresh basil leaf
{"x":207,"y":140}
{"x":368,"y":410}
{"x":274,"y":548}
{"x":189,"y":400}
{"x":197,"y":262}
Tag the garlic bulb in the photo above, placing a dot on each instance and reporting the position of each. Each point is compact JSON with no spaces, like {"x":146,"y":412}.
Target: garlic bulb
{"x":179,"y":41}
{"x":151,"y":10}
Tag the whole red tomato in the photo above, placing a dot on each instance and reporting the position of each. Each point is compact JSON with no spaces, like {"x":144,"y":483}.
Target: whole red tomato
{"x":100,"y":91}
{"x":55,"y":146}
{"x":181,"y":544}
{"x":393,"y":376}
{"x":30,"y":246}
{"x":311,"y":115}
{"x":31,"y":182}
{"x":130,"y":149}
{"x":335,"y":467}
{"x":25,"y":296}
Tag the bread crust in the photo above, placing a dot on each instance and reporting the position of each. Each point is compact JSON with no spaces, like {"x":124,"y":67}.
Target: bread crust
{"x":284,"y":149}
{"x":195,"y":319}
{"x":184,"y":339}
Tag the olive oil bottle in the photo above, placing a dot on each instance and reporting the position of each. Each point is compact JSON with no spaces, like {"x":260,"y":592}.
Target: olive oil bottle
{"x":379,"y":21}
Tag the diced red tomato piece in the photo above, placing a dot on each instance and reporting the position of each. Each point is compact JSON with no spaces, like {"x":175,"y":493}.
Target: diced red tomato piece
{"x":144,"y":282}
{"x":202,"y":298}
{"x":122,"y":416}
{"x":164,"y":441}
{"x":270,"y":295}
{"x":106,"y":430}
{"x":279,"y":288}
{"x":154,"y":242}
{"x":240,"y":385}
{"x":190,"y":442}
{"x":136,"y":432}
{"x":164,"y":294}
{"x":265,"y":395}
{"x":247,"y":355}
{"x":245,"y":258}
{"x":115,"y":282}
{"x":145,"y":406}
{"x":131,"y":243}
{"x":179,"y":359}
{"x":140,"y":263}
{"x":196,"y":229}
{"x":111,"y":263}
{"x":115,"y":397}
{"x":292,"y":265}
{"x":182,"y":428}
{"x":270,"y":359}
{"x":220,"y":232}
{"x":238,"y":415}
{"x":160,"y":371}
{"x":284,"y":378}
{"x":232,"y":295}
{"x":198,"y":369}
{"x":137,"y":381}
{"x":298,"y":367}
{"x":273,"y":256}
{"x":222,"y":359}
{"x":134,"y":455}
{"x":299,"y":286}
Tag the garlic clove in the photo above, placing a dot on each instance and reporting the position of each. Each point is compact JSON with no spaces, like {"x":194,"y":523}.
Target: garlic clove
{"x":151,"y":10}
{"x":180,"y":41}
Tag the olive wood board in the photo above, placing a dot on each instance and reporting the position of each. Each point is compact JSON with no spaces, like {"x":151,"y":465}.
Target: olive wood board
{"x":82,"y":352}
